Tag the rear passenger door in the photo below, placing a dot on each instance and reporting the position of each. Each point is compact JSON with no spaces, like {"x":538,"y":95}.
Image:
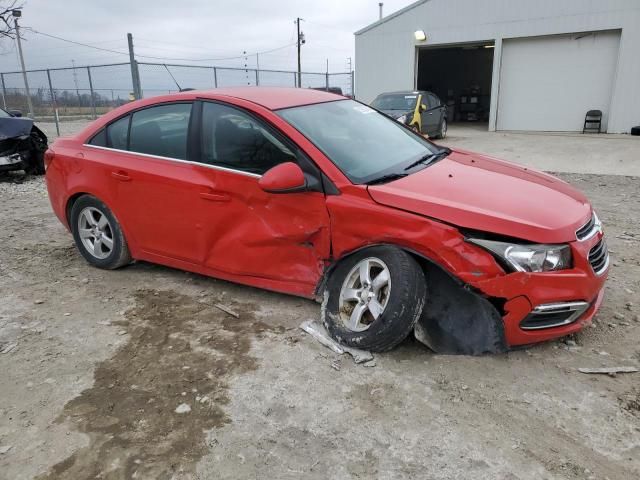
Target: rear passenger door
{"x":154,"y":185}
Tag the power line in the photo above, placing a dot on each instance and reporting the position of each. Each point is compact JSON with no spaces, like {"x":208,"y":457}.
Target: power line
{"x":154,"y":57}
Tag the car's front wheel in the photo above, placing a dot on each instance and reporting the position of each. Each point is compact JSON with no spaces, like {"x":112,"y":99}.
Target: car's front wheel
{"x":97,"y":234}
{"x":374,"y":298}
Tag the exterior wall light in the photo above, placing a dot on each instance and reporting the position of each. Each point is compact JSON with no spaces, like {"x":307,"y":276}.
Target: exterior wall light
{"x":420,"y":35}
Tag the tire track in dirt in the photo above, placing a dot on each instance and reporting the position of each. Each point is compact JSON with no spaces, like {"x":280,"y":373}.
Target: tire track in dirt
{"x":179,"y":351}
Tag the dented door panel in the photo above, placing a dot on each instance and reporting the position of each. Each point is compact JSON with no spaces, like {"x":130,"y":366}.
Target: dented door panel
{"x":277,"y":236}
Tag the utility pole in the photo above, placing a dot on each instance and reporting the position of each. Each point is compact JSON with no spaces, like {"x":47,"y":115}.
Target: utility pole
{"x":300,"y":43}
{"x":135,"y":74}
{"x":351,"y":75}
{"x":380,"y":5}
{"x":326,"y":77}
{"x":17,"y":14}
{"x":257,"y":69}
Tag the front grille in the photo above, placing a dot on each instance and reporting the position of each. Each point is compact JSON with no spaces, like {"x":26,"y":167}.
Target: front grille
{"x":553,"y":315}
{"x":599,"y":257}
{"x":589,"y":229}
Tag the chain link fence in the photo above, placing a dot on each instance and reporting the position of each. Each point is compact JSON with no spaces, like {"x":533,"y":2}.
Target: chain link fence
{"x":86,"y":92}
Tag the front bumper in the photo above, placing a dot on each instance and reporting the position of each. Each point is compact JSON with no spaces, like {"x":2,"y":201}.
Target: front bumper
{"x":13,"y":161}
{"x":528,"y":293}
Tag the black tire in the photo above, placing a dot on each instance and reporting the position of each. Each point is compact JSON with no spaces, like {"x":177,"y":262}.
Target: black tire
{"x":406,"y":297}
{"x":442,"y":133}
{"x":115,"y":257}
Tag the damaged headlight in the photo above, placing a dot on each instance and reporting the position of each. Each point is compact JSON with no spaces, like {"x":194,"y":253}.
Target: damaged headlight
{"x":402,"y":119}
{"x":529,"y":258}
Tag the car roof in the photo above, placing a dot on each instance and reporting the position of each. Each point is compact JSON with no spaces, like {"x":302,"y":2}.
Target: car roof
{"x":404,"y":92}
{"x":272,"y":98}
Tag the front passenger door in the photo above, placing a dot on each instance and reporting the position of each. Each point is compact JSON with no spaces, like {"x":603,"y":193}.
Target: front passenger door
{"x":281,"y":237}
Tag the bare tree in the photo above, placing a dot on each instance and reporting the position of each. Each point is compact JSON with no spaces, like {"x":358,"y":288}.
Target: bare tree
{"x":7,"y":26}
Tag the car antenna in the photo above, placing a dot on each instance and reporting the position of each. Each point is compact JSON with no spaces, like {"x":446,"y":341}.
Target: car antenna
{"x":173,"y":78}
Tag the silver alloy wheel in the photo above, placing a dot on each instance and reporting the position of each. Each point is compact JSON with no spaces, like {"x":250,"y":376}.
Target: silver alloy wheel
{"x":364,"y":294}
{"x":95,"y":232}
{"x":443,"y":133}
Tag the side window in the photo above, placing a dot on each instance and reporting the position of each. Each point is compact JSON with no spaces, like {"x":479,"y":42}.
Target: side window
{"x":233,"y":139}
{"x":161,"y":130}
{"x":117,"y":133}
{"x":433,"y":101}
{"x":99,"y":139}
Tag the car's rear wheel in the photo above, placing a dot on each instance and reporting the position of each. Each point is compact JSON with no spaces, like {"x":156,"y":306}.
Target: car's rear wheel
{"x":442,"y":133}
{"x":374,"y":298}
{"x":97,"y":234}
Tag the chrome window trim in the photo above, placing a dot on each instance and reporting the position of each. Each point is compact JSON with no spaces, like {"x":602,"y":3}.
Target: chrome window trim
{"x":158,"y":157}
{"x":578,"y":308}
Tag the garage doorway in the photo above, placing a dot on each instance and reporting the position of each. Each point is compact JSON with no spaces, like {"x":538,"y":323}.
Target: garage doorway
{"x":461,"y":76}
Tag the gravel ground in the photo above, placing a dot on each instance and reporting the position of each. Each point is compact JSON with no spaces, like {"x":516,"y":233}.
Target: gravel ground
{"x":136,"y":374}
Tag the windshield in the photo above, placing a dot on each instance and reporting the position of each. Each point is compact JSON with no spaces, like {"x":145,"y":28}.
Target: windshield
{"x":364,"y":144}
{"x":4,"y":114}
{"x":395,"y":101}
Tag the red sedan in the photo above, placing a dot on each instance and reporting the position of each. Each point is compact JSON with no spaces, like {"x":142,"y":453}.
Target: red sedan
{"x":309,"y":193}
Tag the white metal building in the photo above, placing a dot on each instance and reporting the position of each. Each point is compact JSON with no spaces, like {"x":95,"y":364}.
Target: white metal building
{"x":528,"y":65}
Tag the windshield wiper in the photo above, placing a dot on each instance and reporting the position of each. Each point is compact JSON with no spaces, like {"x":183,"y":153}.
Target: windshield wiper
{"x":429,"y":158}
{"x":386,"y":178}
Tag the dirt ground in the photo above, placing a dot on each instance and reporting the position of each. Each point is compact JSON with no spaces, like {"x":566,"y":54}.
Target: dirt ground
{"x":96,"y":365}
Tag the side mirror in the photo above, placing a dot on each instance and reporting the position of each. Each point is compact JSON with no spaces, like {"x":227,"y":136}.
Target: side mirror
{"x":287,"y":177}
{"x":15,"y":113}
{"x":423,"y":107}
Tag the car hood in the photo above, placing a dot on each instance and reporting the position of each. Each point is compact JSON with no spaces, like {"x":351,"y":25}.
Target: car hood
{"x":482,"y":193}
{"x":396,"y":113}
{"x":12,"y":127}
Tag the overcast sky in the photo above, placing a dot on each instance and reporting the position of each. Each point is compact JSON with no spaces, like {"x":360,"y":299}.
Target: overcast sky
{"x":193,"y":29}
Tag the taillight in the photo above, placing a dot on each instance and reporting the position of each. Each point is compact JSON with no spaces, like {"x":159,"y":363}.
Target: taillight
{"x":48,"y":157}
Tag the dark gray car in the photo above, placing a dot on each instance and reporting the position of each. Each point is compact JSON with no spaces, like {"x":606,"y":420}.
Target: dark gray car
{"x":22,"y":144}
{"x":421,"y":110}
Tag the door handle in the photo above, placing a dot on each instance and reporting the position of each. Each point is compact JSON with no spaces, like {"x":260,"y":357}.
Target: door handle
{"x":215,"y":196}
{"x":121,"y":175}
{"x":430,"y":113}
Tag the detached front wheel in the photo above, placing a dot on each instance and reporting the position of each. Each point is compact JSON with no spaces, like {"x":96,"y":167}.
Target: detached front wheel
{"x":374,"y":298}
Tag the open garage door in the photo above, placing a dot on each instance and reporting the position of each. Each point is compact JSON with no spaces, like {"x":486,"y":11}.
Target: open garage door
{"x":549,"y":83}
{"x":461,"y":76}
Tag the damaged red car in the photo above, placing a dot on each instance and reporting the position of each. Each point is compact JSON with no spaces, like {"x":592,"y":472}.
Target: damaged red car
{"x":312,"y":194}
